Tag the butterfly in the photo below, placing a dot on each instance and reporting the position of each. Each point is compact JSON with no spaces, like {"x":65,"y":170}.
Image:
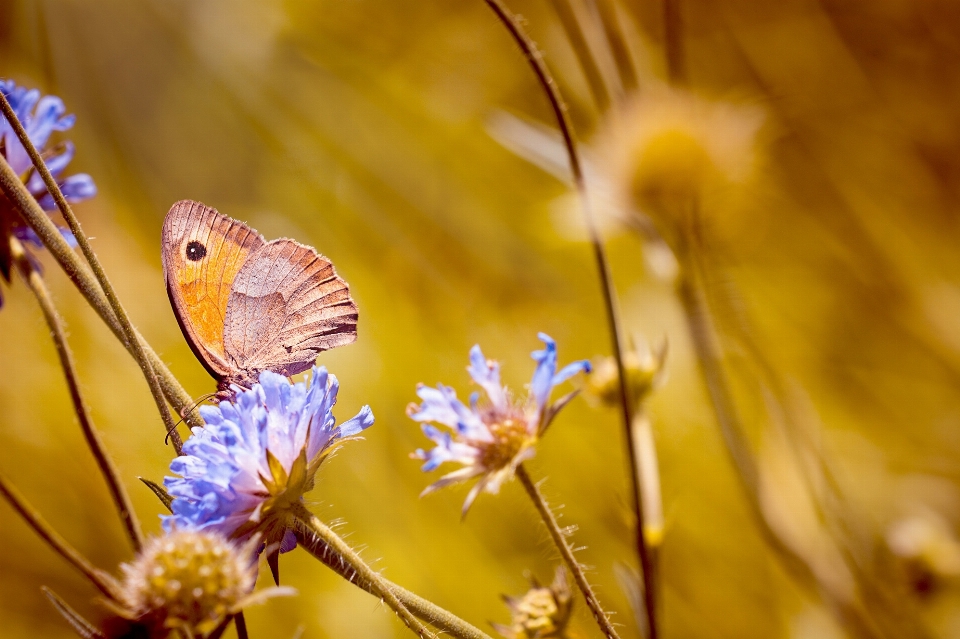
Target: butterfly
{"x":246,"y":305}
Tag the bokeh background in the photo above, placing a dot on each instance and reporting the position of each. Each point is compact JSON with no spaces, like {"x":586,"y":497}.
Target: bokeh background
{"x":409,"y":143}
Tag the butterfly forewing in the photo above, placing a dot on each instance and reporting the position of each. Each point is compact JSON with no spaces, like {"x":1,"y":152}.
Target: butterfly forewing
{"x":287,"y":304}
{"x":202,"y":253}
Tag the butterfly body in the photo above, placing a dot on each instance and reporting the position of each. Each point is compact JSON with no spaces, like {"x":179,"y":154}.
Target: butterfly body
{"x":246,"y":305}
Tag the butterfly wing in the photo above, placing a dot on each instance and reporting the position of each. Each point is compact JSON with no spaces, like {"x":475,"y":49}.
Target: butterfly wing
{"x":202,"y":252}
{"x":287,"y":305}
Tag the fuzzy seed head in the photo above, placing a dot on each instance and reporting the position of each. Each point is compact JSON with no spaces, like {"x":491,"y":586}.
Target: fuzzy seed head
{"x":189,"y":579}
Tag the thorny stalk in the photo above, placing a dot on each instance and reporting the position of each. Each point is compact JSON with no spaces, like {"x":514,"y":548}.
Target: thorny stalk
{"x":567,"y":552}
{"x":100,"y":579}
{"x":534,"y":58}
{"x":109,"y":471}
{"x":379,"y":586}
{"x":130,"y":337}
{"x":422,"y":608}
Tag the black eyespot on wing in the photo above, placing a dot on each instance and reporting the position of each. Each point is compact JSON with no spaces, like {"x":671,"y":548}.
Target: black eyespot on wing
{"x":196,"y":251}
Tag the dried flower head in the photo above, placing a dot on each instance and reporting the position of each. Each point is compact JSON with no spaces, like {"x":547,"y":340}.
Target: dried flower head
{"x":492,"y":436}
{"x":672,"y":154}
{"x":188,"y":579}
{"x":248,"y":469}
{"x":40,"y":116}
{"x":542,"y":613}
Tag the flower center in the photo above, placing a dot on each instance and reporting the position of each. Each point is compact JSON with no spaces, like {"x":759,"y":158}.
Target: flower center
{"x":509,"y":438}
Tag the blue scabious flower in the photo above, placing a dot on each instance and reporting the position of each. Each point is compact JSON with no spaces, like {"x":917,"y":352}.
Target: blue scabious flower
{"x":492,"y":436}
{"x":250,"y":467}
{"x":40,"y":116}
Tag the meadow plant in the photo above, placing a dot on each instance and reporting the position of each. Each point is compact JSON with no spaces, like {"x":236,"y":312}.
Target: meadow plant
{"x":241,"y":477}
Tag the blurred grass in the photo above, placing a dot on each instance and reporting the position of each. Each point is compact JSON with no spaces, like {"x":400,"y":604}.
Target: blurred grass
{"x":359,"y":128}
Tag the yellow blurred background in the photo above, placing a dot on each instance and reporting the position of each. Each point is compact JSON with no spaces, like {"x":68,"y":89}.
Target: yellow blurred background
{"x":407,"y":142}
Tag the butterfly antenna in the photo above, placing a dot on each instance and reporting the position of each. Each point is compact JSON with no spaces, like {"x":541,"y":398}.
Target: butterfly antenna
{"x":184,"y":412}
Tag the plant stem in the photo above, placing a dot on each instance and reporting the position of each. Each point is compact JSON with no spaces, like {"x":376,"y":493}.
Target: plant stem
{"x":533,"y":57}
{"x":571,"y":26}
{"x":241,"y":623}
{"x":422,"y":608}
{"x":566,"y":552}
{"x":100,"y":579}
{"x":121,"y":499}
{"x":15,"y":191}
{"x":130,"y":337}
{"x":379,"y":586}
{"x":618,"y":45}
{"x":673,"y":42}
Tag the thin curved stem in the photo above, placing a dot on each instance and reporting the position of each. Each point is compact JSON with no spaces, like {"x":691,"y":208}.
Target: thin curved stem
{"x":566,"y":552}
{"x":35,"y":217}
{"x":130,"y":337}
{"x":533,"y":57}
{"x":380,"y":587}
{"x":100,"y":579}
{"x":426,"y":610}
{"x":118,"y":493}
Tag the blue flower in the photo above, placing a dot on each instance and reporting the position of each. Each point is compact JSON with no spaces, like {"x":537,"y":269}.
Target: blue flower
{"x":492,"y":436}
{"x":40,"y":116}
{"x":249,"y":468}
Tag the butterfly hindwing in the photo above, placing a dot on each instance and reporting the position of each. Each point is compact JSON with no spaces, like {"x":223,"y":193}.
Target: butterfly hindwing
{"x":286,"y":305}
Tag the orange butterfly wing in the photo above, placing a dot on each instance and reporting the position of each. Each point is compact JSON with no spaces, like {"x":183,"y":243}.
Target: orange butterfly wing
{"x":202,"y":252}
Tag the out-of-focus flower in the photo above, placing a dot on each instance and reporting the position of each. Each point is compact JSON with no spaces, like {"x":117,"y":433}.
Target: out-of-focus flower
{"x":191,"y":580}
{"x":542,"y":613}
{"x":672,"y":154}
{"x":645,"y":372}
{"x":543,"y":146}
{"x":929,"y":550}
{"x":492,"y":436}
{"x":246,"y":472}
{"x":40,"y":116}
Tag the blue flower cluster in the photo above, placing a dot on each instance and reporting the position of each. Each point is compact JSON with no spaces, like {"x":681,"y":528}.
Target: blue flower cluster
{"x":257,"y":456}
{"x":41,"y":116}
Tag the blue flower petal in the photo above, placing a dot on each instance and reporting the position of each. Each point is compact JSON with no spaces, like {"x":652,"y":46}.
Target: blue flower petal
{"x":542,"y":381}
{"x":568,"y":371}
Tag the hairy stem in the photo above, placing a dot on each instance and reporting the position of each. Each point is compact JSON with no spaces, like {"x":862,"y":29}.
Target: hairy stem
{"x":130,"y":337}
{"x":379,"y":586}
{"x":15,"y":191}
{"x":118,"y":493}
{"x":533,"y":57}
{"x":100,"y":579}
{"x":566,"y":552}
{"x":422,"y":608}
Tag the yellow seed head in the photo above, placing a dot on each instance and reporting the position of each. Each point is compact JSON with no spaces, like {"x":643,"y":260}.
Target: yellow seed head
{"x":188,"y":579}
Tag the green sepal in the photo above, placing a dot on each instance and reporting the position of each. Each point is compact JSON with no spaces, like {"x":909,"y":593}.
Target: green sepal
{"x":160,"y":492}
